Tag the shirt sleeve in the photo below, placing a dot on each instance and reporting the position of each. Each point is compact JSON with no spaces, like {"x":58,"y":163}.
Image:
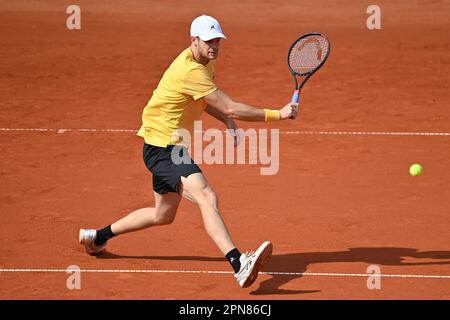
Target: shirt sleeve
{"x":198,"y":83}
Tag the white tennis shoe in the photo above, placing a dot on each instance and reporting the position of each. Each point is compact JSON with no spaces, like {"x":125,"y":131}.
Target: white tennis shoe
{"x":252,"y":263}
{"x":87,"y":238}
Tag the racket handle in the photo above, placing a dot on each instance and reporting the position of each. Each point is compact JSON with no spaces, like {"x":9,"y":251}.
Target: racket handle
{"x":295,"y":97}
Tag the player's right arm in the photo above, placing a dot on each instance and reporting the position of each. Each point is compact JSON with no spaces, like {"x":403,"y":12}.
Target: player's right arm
{"x":222,"y":103}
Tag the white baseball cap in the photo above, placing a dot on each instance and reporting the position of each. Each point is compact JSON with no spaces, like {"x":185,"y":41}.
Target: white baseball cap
{"x":206,"y":28}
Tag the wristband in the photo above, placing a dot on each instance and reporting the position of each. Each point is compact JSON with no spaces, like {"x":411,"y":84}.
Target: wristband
{"x":271,"y":115}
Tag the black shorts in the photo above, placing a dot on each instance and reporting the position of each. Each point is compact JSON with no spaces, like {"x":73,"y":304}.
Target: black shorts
{"x":166,"y":173}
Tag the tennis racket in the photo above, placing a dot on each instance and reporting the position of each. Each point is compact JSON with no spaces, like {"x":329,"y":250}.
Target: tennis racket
{"x":306,"y":55}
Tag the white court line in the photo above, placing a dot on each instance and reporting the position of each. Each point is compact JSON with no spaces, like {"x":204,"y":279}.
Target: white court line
{"x":61,"y":130}
{"x":366,"y":133}
{"x":329,"y":133}
{"x":314,"y":274}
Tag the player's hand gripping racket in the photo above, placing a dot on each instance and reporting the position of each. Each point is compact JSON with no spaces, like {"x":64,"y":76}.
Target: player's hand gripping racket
{"x":306,"y":55}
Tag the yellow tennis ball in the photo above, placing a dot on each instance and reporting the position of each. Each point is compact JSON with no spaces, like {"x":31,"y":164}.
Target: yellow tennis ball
{"x":416,"y":170}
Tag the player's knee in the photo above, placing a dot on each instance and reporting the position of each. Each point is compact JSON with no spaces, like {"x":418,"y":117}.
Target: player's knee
{"x":164,"y":218}
{"x":210,"y":197}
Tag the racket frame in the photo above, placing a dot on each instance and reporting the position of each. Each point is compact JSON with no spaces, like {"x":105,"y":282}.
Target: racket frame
{"x":306,"y":75}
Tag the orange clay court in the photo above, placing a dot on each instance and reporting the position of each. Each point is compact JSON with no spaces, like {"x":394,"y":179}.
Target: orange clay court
{"x":342,"y":201}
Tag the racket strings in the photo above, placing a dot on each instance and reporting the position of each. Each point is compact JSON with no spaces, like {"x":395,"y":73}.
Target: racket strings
{"x":307,"y":54}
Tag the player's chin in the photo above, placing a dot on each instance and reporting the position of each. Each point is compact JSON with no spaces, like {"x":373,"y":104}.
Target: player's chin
{"x":212,"y":56}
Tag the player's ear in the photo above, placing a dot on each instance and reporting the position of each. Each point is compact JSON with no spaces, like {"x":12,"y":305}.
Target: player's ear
{"x":194,"y":41}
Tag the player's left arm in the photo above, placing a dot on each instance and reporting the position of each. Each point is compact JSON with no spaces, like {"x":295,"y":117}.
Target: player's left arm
{"x":222,"y":117}
{"x":229,"y":122}
{"x":216,"y":113}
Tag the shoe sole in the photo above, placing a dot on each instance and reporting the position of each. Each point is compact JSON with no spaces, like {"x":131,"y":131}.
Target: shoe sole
{"x":81,"y":236}
{"x":264,"y":255}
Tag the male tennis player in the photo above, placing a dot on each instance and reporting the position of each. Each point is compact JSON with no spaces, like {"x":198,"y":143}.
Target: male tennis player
{"x":186,"y":90}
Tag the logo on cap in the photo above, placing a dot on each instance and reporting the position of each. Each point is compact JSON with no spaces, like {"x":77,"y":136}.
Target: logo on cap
{"x":212,"y":27}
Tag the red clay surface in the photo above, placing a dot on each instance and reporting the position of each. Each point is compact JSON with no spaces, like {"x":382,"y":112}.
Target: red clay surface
{"x":338,"y":204}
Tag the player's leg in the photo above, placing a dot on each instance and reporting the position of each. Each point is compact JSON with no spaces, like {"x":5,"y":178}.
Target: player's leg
{"x":163,"y":213}
{"x":246,"y":266}
{"x":196,"y":188}
{"x":187,"y":195}
{"x":167,"y":199}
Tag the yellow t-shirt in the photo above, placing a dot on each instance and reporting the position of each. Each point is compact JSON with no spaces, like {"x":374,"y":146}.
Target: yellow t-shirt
{"x":177,"y":101}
